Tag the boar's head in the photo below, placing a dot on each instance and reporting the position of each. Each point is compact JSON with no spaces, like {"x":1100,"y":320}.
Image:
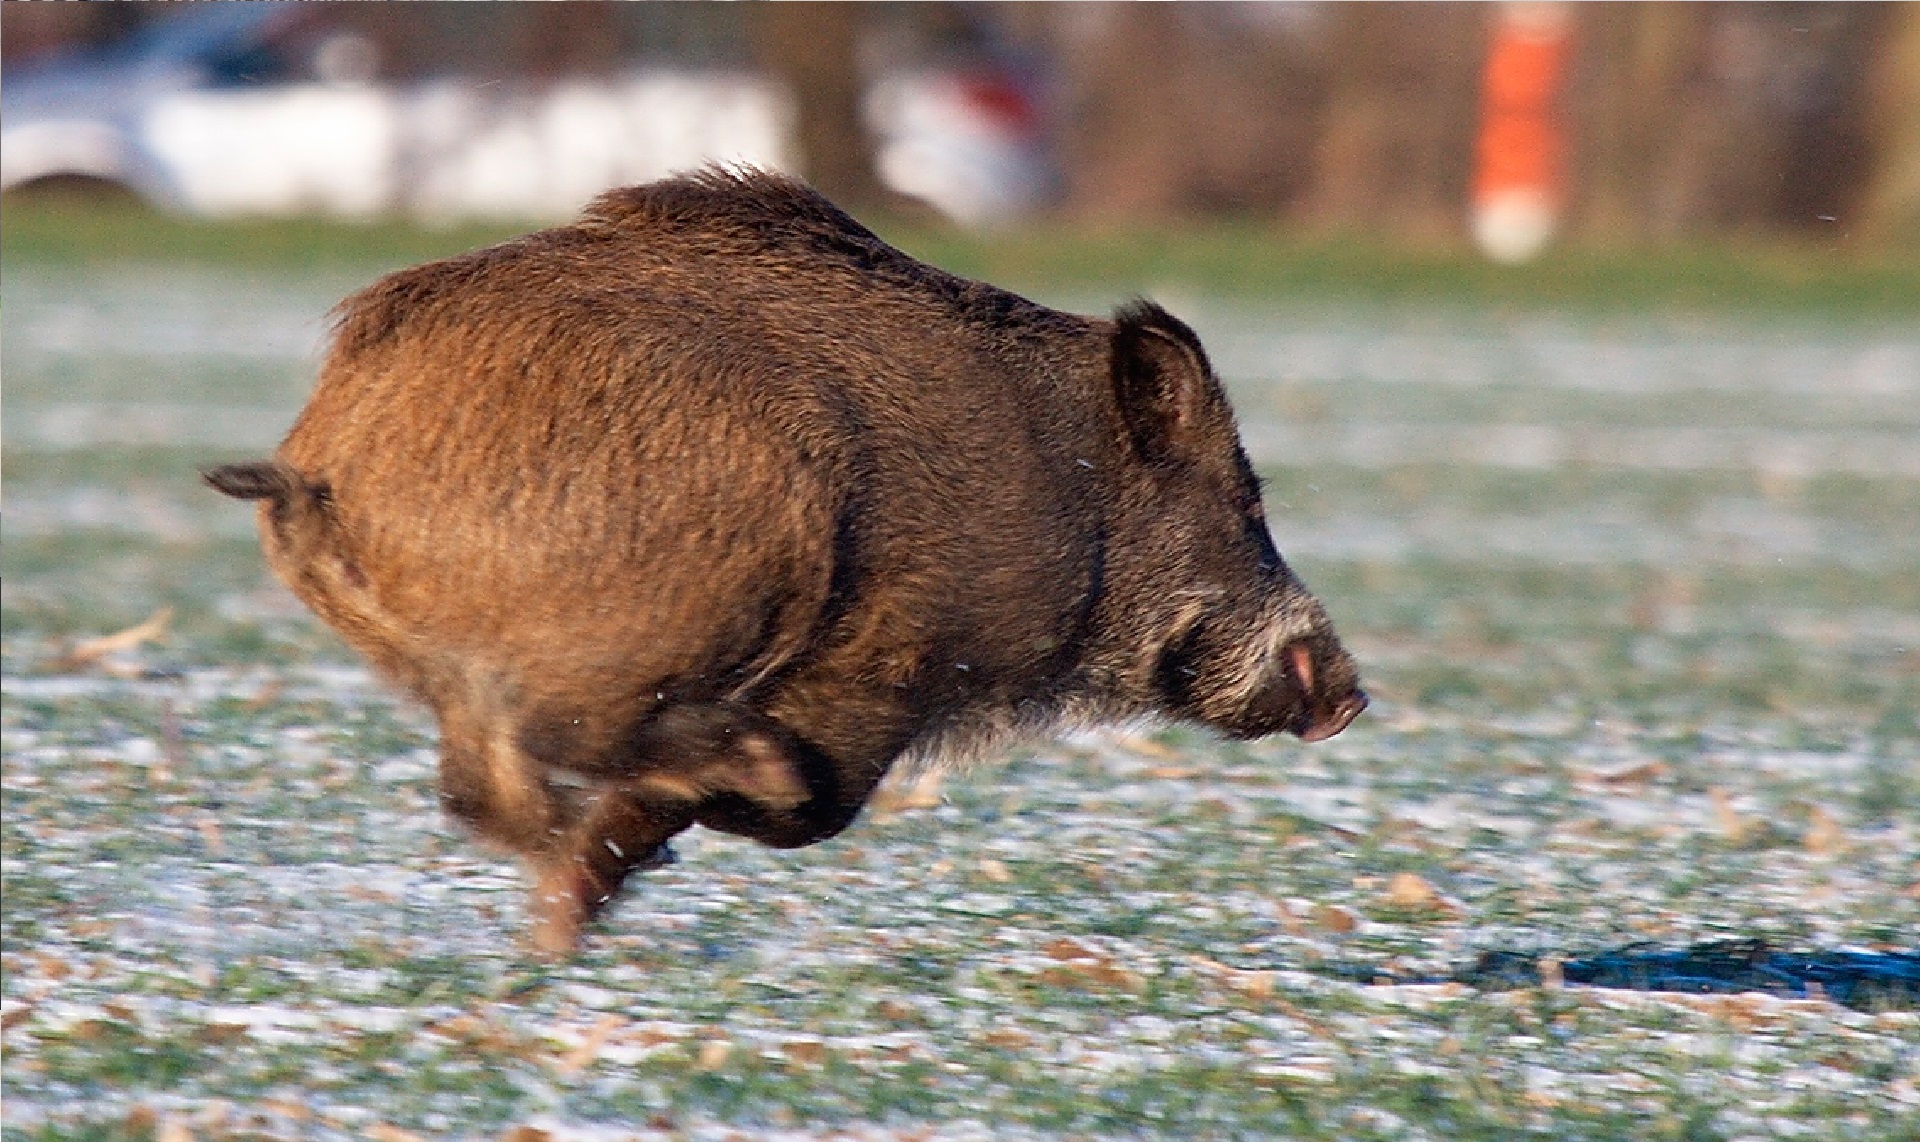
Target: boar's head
{"x":1228,"y":635}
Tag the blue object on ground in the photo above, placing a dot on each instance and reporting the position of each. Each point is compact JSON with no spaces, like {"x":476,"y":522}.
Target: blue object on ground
{"x":1877,"y":981}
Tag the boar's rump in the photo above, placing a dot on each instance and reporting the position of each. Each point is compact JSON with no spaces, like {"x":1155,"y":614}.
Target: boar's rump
{"x":710,"y":507}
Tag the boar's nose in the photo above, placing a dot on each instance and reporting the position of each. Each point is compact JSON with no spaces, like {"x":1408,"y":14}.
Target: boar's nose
{"x":1321,"y":720}
{"x":1326,"y":723}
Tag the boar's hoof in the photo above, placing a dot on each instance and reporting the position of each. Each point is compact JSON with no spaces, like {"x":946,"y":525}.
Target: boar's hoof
{"x":556,"y":921}
{"x":660,"y":857}
{"x":566,"y":895}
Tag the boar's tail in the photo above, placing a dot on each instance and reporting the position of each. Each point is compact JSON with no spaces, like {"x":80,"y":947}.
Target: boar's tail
{"x":306,"y":547}
{"x":257,"y":480}
{"x":301,"y":508}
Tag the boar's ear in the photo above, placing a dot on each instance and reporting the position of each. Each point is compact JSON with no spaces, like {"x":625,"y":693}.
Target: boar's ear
{"x":1160,"y":377}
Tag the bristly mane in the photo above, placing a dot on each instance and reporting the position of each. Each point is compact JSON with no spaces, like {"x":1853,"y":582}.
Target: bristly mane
{"x":716,"y":211}
{"x":740,"y":199}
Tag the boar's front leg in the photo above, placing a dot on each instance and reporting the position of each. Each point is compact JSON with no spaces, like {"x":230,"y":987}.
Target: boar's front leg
{"x":623,"y":832}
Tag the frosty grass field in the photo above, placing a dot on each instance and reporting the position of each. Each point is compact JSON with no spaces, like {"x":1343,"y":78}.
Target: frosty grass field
{"x":1637,"y":598}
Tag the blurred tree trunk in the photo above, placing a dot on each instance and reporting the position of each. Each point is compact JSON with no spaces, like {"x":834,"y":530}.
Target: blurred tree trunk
{"x":1716,"y":118}
{"x":1827,"y":157}
{"x":1630,"y":95}
{"x":1186,"y":110}
{"x":1889,"y":209}
{"x":813,"y":47}
{"x":1396,"y":141}
{"x":27,"y":30}
{"x":1126,"y":131}
{"x":554,"y":41}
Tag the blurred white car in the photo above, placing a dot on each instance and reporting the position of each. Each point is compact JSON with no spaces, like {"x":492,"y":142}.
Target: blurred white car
{"x":202,"y":114}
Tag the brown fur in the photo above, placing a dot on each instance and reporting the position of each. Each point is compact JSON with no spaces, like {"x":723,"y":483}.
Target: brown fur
{"x":718,"y":506}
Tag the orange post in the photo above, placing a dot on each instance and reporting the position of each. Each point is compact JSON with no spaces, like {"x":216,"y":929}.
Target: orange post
{"x":1518,"y":181}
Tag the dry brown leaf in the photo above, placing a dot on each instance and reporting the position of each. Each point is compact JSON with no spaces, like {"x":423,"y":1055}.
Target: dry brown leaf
{"x":589,"y":1047}
{"x":1410,"y":890}
{"x":995,"y":871}
{"x":713,"y":1054}
{"x":479,"y":1032}
{"x":1293,"y":1012}
{"x":382,"y":1132}
{"x":89,"y":651}
{"x":1731,"y":824}
{"x":1657,"y":925}
{"x":653,"y":1037}
{"x":1635,"y":773}
{"x":1335,"y":918}
{"x":1825,"y":837}
{"x":15,"y":1016}
{"x":527,"y":1134}
{"x":1254,"y":982}
{"x":1146,"y":747}
{"x":1096,"y":973}
{"x":923,"y":792}
{"x":210,"y":836}
{"x":120,"y":1011}
{"x":1168,"y":772}
{"x":172,"y":1130}
{"x":1008,"y":1038}
{"x":1413,"y":893}
{"x":806,"y":1052}
{"x":1066,"y":949}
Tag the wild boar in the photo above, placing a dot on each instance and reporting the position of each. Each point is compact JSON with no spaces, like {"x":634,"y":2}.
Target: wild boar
{"x":711,"y":507}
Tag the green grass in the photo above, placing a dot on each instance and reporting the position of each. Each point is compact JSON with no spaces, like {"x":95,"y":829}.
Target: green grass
{"x":1221,"y":259}
{"x":1612,"y":703}
{"x":69,"y":233}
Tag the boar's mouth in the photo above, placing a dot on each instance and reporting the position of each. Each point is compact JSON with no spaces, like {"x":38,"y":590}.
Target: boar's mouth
{"x":1323,"y":724}
{"x":1321,"y":719}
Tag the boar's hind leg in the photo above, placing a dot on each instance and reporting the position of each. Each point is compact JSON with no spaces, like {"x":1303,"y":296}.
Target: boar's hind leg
{"x":503,"y":795}
{"x":657,"y":783}
{"x":499,"y":792}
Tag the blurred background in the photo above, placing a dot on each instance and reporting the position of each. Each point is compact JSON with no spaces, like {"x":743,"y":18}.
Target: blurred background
{"x":1423,"y":124}
{"x":1578,"y":346}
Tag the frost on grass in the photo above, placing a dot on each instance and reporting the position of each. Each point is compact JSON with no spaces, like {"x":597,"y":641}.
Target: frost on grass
{"x":1086,"y":939}
{"x":1615,"y":700}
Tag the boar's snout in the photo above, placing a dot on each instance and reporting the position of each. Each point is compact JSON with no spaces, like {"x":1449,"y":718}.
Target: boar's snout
{"x":1275,"y":682}
{"x":1272,"y":680}
{"x":1335,"y":718}
{"x":1324,"y":715}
